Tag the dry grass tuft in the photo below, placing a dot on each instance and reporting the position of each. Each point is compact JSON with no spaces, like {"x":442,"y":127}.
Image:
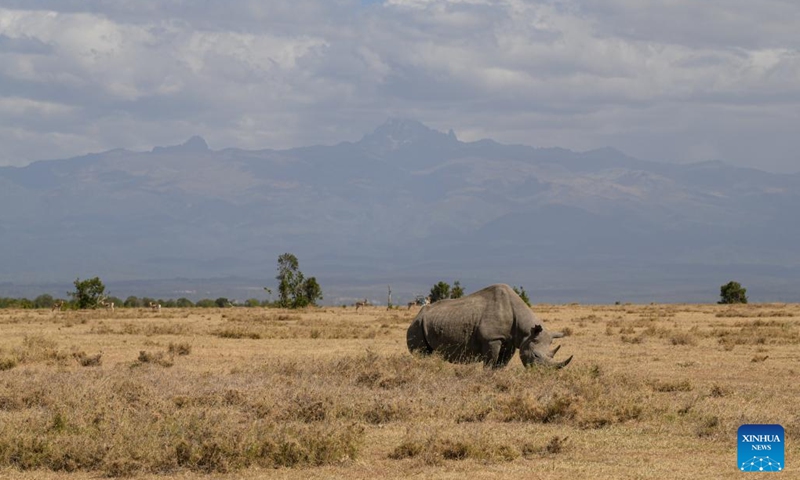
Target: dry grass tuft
{"x":157,"y":358}
{"x":708,"y":426}
{"x":682,"y":338}
{"x":719,"y":391}
{"x":179,"y":348}
{"x":7,"y":363}
{"x":556,"y":445}
{"x":672,"y":386}
{"x":436,"y":449}
{"x":85,"y":360}
{"x":523,"y":408}
{"x":238,"y":333}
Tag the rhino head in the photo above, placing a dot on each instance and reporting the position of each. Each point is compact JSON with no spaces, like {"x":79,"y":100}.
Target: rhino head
{"x":535,"y":348}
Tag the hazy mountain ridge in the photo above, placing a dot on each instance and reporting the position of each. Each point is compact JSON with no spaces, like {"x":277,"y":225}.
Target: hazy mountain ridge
{"x":405,"y":201}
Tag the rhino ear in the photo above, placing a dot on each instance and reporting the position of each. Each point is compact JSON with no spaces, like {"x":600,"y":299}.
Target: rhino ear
{"x":536,"y":330}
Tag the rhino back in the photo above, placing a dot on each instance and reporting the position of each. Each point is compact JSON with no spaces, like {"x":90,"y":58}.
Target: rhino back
{"x":460,"y":328}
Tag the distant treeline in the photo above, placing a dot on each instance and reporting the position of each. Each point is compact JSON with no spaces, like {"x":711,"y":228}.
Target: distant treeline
{"x":48,"y":301}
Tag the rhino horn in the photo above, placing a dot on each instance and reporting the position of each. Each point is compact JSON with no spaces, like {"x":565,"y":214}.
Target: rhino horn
{"x":557,"y":334}
{"x":554,"y":351}
{"x":563,"y":363}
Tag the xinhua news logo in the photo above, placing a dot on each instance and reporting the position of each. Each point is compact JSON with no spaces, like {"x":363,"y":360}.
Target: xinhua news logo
{"x":761,"y":448}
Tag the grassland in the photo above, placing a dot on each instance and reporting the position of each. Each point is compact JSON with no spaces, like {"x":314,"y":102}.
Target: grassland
{"x":654,"y":391}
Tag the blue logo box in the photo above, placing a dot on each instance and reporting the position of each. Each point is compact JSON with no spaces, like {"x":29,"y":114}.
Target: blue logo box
{"x":761,"y":448}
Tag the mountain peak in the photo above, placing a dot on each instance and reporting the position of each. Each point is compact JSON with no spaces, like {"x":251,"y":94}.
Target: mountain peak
{"x":398,"y":133}
{"x":195,"y":144}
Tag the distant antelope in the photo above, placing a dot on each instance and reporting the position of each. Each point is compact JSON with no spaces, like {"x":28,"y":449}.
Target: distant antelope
{"x":57,"y":305}
{"x":107,"y":305}
{"x":361,"y":304}
{"x":419,"y":301}
{"x":156,"y":307}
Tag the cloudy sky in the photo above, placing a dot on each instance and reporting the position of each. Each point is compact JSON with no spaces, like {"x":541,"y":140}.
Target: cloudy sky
{"x":672,"y":80}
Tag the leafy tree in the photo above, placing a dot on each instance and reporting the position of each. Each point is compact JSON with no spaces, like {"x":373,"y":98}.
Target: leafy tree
{"x":205,"y":303}
{"x":87,"y":293}
{"x":524,"y":296}
{"x":222,"y":302}
{"x":131,"y":302}
{"x":169,"y":303}
{"x":440,"y":291}
{"x":311,"y":291}
{"x":252,"y":302}
{"x":289,"y":279}
{"x":294,"y":290}
{"x":732,"y":292}
{"x":184,"y":302}
{"x":43,"y":301}
{"x":8,"y":302}
{"x":457,"y":291}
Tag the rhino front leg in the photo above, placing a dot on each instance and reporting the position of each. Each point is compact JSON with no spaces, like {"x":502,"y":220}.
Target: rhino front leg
{"x":507,"y":351}
{"x":491,"y":353}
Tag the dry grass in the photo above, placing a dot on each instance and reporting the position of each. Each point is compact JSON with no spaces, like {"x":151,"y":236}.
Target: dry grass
{"x":333,"y":393}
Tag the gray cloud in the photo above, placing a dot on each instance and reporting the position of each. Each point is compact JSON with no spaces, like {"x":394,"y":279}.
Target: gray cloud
{"x":677,"y":81}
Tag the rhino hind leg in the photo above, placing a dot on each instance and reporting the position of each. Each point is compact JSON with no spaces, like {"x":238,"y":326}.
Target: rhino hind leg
{"x":415,"y":339}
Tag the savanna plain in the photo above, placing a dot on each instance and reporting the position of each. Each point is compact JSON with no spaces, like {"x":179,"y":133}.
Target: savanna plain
{"x":654,"y":391}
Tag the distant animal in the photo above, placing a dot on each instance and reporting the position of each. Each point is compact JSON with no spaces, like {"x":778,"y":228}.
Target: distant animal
{"x":57,"y":305}
{"x":156,"y":307}
{"x":488,"y":325}
{"x":361,"y":303}
{"x":106,"y":305}
{"x":420,"y":300}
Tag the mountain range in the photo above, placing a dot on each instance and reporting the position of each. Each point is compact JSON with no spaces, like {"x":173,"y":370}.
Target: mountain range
{"x":406,"y":206}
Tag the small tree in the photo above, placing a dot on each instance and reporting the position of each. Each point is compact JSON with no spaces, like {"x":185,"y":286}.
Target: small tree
{"x":440,"y":291}
{"x":294,"y":290}
{"x":43,"y":301}
{"x":524,"y":296}
{"x":131,"y":302}
{"x":457,"y":292}
{"x":184,"y":302}
{"x":205,"y":303}
{"x":732,"y":292}
{"x":222,"y":302}
{"x":311,"y":291}
{"x":88,"y":293}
